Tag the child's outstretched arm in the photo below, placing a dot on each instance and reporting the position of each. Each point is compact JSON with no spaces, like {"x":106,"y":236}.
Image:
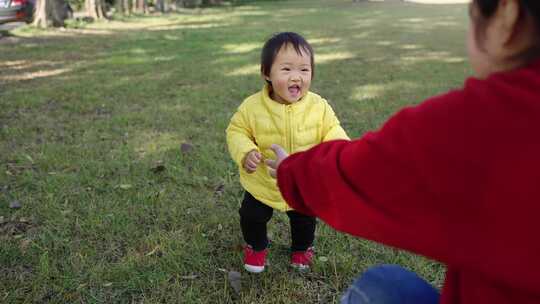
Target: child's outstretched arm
{"x":332,"y":128}
{"x":240,"y":140}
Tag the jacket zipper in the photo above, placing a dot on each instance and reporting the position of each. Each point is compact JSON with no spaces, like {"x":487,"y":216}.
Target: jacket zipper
{"x":289,"y":129}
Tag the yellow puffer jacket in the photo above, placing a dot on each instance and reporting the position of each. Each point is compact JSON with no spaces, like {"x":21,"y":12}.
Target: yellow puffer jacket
{"x":260,"y":122}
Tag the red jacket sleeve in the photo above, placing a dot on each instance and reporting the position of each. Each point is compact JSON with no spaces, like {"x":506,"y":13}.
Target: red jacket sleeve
{"x":419,"y":183}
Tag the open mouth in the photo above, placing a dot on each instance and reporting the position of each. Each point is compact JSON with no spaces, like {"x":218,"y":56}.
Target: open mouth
{"x":294,"y":90}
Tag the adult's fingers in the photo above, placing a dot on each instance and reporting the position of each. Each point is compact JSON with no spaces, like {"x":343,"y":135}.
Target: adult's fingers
{"x":279,"y":151}
{"x":272,"y":172}
{"x":272,"y":166}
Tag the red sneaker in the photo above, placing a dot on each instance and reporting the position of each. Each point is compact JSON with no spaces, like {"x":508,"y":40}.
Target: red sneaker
{"x":301,"y":260}
{"x":254,"y":261}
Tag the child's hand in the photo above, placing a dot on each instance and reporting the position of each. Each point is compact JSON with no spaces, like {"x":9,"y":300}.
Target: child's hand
{"x":252,"y":161}
{"x":274,"y":164}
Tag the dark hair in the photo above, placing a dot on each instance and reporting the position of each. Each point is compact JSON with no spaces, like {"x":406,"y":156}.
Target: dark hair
{"x":276,"y":42}
{"x":487,"y":9}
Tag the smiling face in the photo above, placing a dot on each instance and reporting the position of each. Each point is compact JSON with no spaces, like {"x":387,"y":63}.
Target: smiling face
{"x":290,"y":75}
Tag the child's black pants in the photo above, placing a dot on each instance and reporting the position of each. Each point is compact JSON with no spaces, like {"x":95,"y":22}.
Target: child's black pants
{"x":253,"y":218}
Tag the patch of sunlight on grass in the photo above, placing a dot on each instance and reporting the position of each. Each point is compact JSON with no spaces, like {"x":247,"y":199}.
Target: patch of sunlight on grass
{"x":188,"y":26}
{"x":252,"y":69}
{"x":246,"y":8}
{"x":384,"y":43}
{"x":127,"y":25}
{"x":239,"y":48}
{"x":226,"y":60}
{"x":291,"y":13}
{"x":177,"y":108}
{"x":446,"y":23}
{"x":207,"y":18}
{"x":129,"y":60}
{"x":19,"y":64}
{"x":28,"y":32}
{"x":454,"y":60}
{"x":370,"y":91}
{"x":153,"y":142}
{"x":412,"y":20}
{"x":249,"y":13}
{"x":157,"y":23}
{"x":324,"y":40}
{"x":432,"y":56}
{"x":89,"y":31}
{"x":363,"y":35}
{"x":325,"y":58}
{"x":138,"y":51}
{"x":172,"y":37}
{"x":365,"y":23}
{"x":410,"y":47}
{"x":164,"y":58}
{"x":34,"y":75}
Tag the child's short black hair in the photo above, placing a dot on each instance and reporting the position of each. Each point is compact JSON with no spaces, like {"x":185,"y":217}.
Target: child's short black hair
{"x":276,"y":42}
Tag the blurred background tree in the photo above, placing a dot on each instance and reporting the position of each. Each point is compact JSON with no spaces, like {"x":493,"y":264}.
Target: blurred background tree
{"x":53,"y":13}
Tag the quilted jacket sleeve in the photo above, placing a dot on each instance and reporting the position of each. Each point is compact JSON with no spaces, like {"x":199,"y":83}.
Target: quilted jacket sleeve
{"x":332,"y":128}
{"x":240,"y":137}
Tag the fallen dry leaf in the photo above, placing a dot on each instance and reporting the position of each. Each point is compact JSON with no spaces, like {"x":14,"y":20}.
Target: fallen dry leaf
{"x":156,"y":250}
{"x":15,"y":205}
{"x":323,"y":259}
{"x":186,"y":147}
{"x":219,"y":190}
{"x":189,"y":277}
{"x":24,"y":244}
{"x":235,"y":281}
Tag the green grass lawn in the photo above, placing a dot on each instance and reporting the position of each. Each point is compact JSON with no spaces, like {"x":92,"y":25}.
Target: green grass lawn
{"x":114,"y":211}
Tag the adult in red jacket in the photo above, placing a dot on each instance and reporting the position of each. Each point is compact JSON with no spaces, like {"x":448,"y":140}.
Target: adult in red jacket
{"x":456,"y":178}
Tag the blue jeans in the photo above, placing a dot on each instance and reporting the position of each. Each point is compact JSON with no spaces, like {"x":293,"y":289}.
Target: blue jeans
{"x":390,"y":284}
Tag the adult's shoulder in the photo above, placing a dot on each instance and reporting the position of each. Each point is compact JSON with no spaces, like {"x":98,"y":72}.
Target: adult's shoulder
{"x":515,"y":88}
{"x":441,"y":104}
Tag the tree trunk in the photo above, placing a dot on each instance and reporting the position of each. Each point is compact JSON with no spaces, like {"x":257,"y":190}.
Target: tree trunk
{"x":120,"y":7}
{"x":210,"y":2}
{"x":126,"y":4}
{"x":144,"y":6}
{"x":41,"y":18}
{"x":141,"y":6}
{"x":50,"y":13}
{"x":160,"y":6}
{"x":95,"y":9}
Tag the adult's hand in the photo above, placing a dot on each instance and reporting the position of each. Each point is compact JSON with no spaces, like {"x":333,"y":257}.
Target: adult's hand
{"x":274,"y":164}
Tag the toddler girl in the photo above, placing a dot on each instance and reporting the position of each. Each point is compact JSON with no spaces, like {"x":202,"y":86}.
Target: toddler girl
{"x":284,"y":112}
